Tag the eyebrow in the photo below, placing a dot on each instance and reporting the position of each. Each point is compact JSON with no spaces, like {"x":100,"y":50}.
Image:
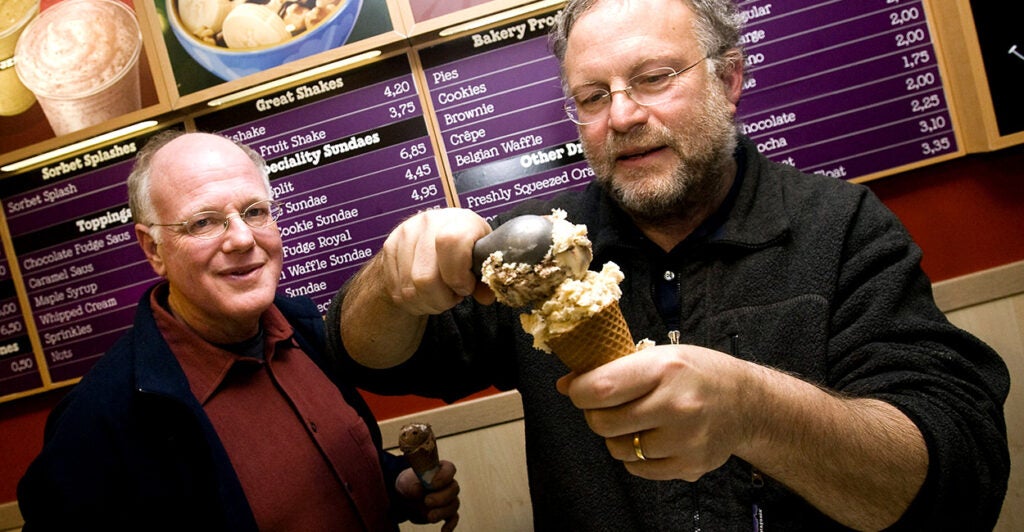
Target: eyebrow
{"x":636,"y":69}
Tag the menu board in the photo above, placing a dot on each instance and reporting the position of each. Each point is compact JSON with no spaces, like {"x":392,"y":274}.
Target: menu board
{"x":349,"y":156}
{"x":18,"y":369}
{"x":496,"y":96}
{"x":844,"y":88}
{"x":75,"y":248}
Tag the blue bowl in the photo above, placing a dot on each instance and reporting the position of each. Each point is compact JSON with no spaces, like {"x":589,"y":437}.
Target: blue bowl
{"x":229,"y":64}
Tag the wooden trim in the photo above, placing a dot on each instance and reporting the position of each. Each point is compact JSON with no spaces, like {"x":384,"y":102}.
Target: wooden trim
{"x":10,"y":516}
{"x":457,"y":418}
{"x":979,"y":287}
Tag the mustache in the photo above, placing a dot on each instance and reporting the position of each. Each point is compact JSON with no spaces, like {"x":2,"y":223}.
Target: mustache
{"x":642,"y":137}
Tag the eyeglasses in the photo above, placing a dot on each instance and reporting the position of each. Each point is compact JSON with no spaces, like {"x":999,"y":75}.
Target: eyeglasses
{"x":646,"y":89}
{"x":211,"y":224}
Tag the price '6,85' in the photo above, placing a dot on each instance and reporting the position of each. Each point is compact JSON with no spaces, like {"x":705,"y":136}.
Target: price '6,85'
{"x":413,"y":151}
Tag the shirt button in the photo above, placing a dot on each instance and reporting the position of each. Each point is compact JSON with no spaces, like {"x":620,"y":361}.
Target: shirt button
{"x":669,"y":275}
{"x":312,"y":426}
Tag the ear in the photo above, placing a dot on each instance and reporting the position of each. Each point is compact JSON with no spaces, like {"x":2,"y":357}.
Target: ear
{"x":151,"y":248}
{"x":732,"y":75}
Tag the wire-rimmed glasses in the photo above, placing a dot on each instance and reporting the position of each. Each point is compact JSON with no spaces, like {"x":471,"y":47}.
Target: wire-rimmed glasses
{"x":647,"y":88}
{"x":211,"y":224}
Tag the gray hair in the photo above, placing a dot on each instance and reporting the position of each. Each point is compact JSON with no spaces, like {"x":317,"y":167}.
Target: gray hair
{"x":140,"y":199}
{"x":718,"y":28}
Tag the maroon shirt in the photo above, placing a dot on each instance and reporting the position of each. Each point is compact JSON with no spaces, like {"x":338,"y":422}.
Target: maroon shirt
{"x":304,"y":457}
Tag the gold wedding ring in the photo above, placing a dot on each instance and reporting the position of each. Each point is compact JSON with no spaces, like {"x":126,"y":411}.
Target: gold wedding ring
{"x":637,"y":448}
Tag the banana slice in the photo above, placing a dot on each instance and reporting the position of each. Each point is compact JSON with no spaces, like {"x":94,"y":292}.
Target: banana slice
{"x":199,"y":15}
{"x":253,"y":25}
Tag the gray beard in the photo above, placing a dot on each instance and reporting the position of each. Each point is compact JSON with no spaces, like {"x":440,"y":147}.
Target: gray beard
{"x":705,"y":149}
{"x":693,"y":191}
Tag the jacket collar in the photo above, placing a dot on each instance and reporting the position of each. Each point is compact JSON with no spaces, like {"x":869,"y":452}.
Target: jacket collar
{"x":155,"y":367}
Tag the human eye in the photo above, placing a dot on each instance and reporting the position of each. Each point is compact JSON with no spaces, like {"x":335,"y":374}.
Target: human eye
{"x":256,"y":211}
{"x":590,"y":98}
{"x":259,"y":213}
{"x":204,"y":222}
{"x":653,"y":80}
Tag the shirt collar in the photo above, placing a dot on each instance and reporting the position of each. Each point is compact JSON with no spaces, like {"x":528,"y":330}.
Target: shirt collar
{"x":205,"y":364}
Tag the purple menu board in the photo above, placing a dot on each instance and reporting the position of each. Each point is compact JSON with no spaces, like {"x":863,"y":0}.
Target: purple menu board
{"x":18,"y":369}
{"x":349,"y":157}
{"x":497,"y":99}
{"x":844,"y":88}
{"x":76,"y":251}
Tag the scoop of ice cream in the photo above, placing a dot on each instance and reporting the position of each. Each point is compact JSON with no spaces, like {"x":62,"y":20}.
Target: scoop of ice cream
{"x":416,"y":436}
{"x":573,"y":301}
{"x":252,"y":26}
{"x":520,"y":284}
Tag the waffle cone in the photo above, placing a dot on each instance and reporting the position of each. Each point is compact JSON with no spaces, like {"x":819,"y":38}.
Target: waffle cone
{"x":595,"y":341}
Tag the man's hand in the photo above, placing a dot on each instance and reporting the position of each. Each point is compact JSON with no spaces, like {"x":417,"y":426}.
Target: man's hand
{"x":424,"y":268}
{"x":425,"y":262}
{"x":438,"y":503}
{"x":684,"y":401}
{"x":680,"y":411}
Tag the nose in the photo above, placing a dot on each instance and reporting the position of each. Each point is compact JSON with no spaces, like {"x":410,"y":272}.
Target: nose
{"x":623,"y":112}
{"x":238,"y":235}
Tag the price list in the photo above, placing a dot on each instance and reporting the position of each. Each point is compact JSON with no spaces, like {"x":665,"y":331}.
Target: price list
{"x":349,"y":157}
{"x":18,"y":369}
{"x":844,"y":88}
{"x":496,"y":96}
{"x":75,"y":247}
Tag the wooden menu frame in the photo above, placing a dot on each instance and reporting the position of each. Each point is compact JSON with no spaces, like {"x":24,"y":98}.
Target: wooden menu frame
{"x":970,"y":84}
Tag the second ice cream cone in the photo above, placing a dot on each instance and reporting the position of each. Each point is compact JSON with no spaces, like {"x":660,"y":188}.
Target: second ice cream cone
{"x":419,"y":446}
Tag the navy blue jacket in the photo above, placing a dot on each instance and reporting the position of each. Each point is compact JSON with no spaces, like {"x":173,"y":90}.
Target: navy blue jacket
{"x":130,"y":447}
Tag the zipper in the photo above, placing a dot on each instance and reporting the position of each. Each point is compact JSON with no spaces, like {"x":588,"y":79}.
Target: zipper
{"x":757,"y":511}
{"x":673,"y":337}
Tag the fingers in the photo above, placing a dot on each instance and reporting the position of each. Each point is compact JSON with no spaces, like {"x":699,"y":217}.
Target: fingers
{"x":426,"y":260}
{"x":617,"y":382}
{"x":450,"y":523}
{"x":661,"y":457}
{"x":442,"y":503}
{"x":455,"y":236}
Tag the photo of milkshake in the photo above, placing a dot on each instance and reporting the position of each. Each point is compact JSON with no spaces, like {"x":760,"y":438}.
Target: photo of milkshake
{"x":80,"y":58}
{"x":14,"y":16}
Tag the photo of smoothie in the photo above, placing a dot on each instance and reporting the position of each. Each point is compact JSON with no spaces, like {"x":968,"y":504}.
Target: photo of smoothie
{"x":14,"y":16}
{"x":80,"y":58}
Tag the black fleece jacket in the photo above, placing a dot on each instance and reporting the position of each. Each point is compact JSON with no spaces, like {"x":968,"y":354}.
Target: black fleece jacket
{"x":807,"y":274}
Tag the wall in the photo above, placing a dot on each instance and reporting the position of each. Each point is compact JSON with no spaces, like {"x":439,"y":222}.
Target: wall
{"x":967,"y":214}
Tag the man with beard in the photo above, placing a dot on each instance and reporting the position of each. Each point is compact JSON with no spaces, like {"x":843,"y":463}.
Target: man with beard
{"x":805,"y":379}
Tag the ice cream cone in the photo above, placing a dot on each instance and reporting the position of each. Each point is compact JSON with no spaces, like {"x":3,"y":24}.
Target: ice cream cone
{"x":417,"y":443}
{"x":595,"y":341}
